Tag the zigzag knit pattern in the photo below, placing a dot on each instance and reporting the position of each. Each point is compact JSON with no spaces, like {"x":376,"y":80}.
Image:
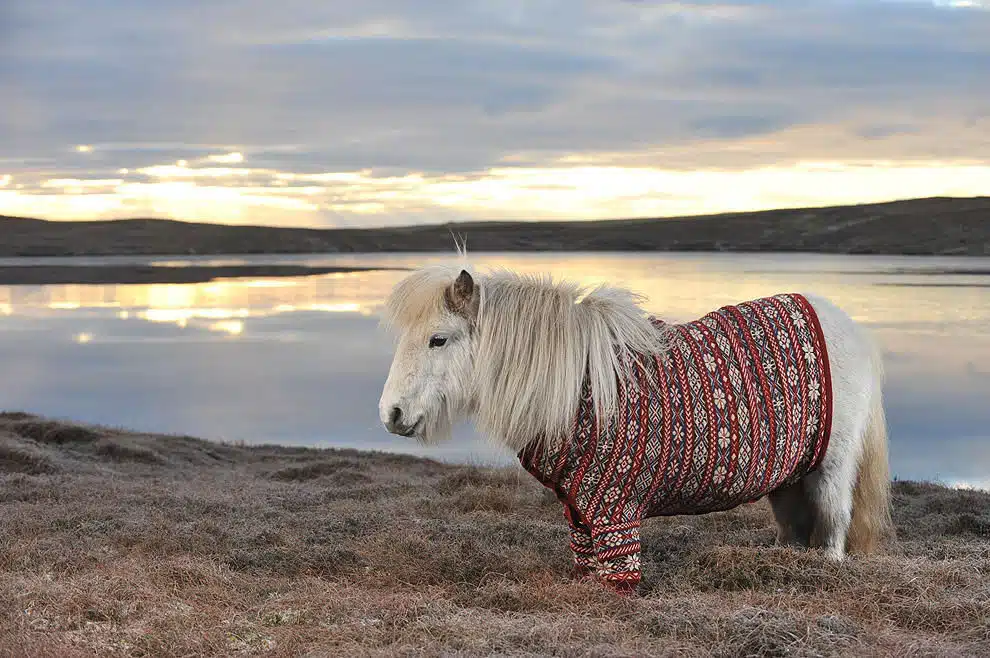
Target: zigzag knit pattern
{"x":740,"y":405}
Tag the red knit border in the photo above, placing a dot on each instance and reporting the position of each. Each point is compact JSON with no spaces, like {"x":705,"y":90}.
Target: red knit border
{"x":827,"y":400}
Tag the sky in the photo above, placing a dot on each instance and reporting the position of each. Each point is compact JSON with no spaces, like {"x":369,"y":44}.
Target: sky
{"x":373,"y":113}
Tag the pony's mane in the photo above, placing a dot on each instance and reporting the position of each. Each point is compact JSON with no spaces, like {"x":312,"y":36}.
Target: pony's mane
{"x":537,"y":342}
{"x":417,"y":300}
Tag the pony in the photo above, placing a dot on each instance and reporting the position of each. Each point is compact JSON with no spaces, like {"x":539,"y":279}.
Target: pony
{"x":624,"y":416}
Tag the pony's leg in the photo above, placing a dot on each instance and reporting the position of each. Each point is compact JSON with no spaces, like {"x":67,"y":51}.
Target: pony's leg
{"x":857,"y":432}
{"x":582,"y":546}
{"x":618,"y":550}
{"x":831,"y":488}
{"x":585,"y":562}
{"x":793,"y":512}
{"x":832,"y":493}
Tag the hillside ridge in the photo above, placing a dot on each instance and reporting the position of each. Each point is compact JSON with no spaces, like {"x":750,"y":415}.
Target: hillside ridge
{"x":928,"y":226}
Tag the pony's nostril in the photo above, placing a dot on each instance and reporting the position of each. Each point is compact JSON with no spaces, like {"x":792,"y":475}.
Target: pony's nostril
{"x":395,"y":415}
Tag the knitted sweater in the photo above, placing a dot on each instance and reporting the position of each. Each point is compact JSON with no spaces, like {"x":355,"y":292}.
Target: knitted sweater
{"x":740,"y":405}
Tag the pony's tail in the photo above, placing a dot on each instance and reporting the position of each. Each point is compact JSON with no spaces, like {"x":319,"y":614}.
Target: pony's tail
{"x":871,"y":522}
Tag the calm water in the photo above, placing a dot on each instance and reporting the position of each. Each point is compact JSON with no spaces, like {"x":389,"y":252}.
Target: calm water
{"x":302,"y":361}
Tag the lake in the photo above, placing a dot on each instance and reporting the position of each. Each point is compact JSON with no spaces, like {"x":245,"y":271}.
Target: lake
{"x":302,"y":360}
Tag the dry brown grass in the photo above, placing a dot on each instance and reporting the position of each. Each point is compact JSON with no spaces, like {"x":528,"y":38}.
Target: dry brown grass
{"x":121,"y":544}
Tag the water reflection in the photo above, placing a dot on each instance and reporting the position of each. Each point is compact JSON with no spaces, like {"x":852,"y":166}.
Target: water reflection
{"x":302,"y":360}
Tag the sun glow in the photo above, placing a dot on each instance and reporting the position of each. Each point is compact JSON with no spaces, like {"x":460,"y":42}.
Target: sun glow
{"x":231,"y":327}
{"x":81,"y":183}
{"x":218,"y":189}
{"x":183,"y":171}
{"x":226,"y":158}
{"x":225,"y":306}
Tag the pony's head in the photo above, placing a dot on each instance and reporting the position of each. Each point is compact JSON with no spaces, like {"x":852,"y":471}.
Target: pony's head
{"x":428,"y":388}
{"x":511,"y":351}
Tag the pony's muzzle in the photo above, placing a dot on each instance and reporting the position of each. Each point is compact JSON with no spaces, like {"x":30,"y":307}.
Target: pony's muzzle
{"x":397,"y":425}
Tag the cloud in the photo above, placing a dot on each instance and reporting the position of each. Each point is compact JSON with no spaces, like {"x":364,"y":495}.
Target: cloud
{"x":568,"y":191}
{"x":468,"y":88}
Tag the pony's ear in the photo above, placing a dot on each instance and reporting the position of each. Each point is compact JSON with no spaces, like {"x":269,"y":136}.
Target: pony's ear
{"x":462,"y":296}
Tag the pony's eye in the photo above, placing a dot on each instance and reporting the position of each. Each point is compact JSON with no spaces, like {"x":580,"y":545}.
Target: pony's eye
{"x":438,"y":341}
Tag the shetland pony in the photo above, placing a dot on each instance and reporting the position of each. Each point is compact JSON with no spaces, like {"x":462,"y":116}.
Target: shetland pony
{"x":600,"y":401}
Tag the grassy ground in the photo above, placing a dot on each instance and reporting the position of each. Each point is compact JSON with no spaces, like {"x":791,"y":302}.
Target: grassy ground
{"x":121,"y":544}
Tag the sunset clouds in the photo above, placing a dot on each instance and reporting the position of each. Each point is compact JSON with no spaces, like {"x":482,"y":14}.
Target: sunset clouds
{"x":370,"y":113}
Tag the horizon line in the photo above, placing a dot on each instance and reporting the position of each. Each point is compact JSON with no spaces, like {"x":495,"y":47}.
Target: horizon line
{"x":490,"y":222}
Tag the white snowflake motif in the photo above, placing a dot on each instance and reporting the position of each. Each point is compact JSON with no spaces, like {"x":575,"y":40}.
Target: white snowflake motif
{"x":612,"y":495}
{"x":809,"y":352}
{"x":632,"y":563}
{"x":813,"y":390}
{"x":590,"y":484}
{"x":724,"y":437}
{"x":792,"y":375}
{"x":624,"y":464}
{"x":709,"y":362}
{"x":719,"y":400}
{"x":720,"y":473}
{"x":798,"y":319}
{"x":778,"y":404}
{"x":696,"y":334}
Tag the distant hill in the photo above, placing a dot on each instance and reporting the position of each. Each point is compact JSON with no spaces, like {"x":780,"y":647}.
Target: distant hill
{"x":948,"y":226}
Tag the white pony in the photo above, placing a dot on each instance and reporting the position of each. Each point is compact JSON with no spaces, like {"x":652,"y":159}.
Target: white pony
{"x":525,"y":357}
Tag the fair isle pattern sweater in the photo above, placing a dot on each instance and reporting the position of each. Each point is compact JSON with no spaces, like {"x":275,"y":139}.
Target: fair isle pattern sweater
{"x":741,"y":406}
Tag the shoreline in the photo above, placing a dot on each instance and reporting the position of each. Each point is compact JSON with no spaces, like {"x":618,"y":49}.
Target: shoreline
{"x":33,"y":275}
{"x":36,"y":274}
